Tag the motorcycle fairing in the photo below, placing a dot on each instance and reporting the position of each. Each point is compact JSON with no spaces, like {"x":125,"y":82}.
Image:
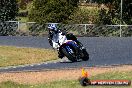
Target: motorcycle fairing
{"x":68,"y":45}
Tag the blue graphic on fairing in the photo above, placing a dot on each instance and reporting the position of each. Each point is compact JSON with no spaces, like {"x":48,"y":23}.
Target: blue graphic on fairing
{"x":69,"y":49}
{"x":71,"y":43}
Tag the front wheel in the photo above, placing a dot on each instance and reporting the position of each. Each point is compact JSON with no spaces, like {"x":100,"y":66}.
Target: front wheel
{"x":70,"y":56}
{"x":85,"y":55}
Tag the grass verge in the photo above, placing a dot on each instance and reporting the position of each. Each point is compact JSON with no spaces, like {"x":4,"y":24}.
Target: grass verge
{"x":12,"y":56}
{"x":74,"y":83}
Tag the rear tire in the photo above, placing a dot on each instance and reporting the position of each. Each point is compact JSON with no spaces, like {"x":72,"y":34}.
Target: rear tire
{"x":71,"y":57}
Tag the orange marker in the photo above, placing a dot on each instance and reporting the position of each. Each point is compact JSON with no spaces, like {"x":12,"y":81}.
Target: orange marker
{"x":84,"y":73}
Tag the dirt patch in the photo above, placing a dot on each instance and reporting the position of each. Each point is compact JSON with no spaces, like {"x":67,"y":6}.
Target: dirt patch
{"x":53,"y":75}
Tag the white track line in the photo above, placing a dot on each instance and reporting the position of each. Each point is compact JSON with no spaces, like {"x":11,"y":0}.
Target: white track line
{"x":35,"y":64}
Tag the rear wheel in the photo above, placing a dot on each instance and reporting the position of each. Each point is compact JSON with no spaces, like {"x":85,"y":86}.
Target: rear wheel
{"x":70,"y":56}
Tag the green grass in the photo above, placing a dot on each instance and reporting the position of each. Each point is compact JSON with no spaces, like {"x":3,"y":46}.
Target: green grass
{"x":10,"y":84}
{"x":28,"y":8}
{"x":12,"y":56}
{"x":74,"y":83}
{"x":114,"y":75}
{"x":22,"y":19}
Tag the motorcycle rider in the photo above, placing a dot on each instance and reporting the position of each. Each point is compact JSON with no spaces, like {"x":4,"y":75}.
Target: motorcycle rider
{"x":57,"y":38}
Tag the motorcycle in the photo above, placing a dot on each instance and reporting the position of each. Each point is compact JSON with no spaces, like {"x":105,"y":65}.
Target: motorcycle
{"x":70,"y":47}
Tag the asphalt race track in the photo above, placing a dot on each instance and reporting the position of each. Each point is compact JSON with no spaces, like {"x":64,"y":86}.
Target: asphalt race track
{"x":103,"y":51}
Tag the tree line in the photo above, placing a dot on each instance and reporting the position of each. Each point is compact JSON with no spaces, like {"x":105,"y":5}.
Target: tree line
{"x":60,"y":11}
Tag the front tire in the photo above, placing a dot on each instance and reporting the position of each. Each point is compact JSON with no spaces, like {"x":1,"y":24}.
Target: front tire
{"x":85,"y":55}
{"x":71,"y":57}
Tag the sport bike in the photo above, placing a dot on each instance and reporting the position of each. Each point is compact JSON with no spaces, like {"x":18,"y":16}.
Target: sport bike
{"x":68,"y":46}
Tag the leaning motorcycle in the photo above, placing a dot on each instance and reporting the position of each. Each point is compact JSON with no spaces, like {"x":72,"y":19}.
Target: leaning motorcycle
{"x":71,"y":48}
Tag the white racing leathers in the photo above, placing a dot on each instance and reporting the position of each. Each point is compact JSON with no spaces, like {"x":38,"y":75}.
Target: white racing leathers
{"x":58,"y":39}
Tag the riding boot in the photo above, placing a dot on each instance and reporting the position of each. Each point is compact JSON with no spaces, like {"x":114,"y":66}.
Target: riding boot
{"x":60,"y":55}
